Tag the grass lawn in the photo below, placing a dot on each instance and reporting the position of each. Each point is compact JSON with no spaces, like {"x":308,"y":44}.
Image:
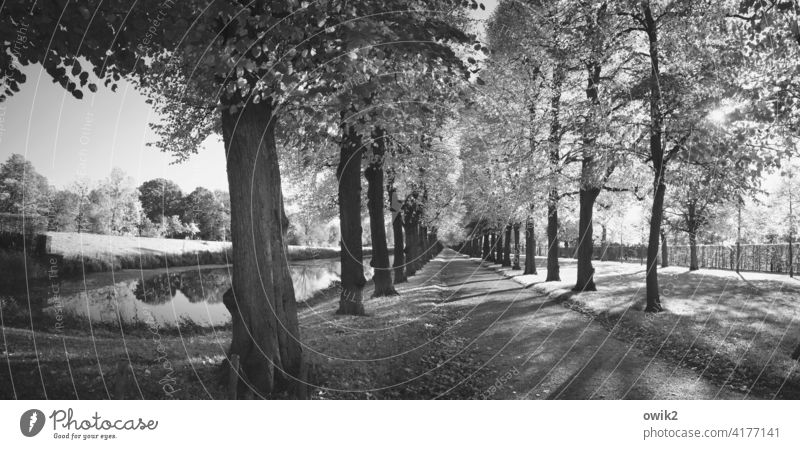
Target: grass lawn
{"x":737,"y":330}
{"x":87,"y":253}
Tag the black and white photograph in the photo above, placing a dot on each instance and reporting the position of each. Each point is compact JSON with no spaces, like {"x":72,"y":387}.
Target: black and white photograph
{"x":386,"y":223}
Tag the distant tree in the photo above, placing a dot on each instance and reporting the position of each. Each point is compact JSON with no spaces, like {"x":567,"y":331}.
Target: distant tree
{"x":22,"y":189}
{"x":64,"y":209}
{"x":98,"y":217}
{"x":225,"y":200}
{"x":173,"y":227}
{"x":192,"y":230}
{"x":115,"y":206}
{"x":81,"y":190}
{"x":787,"y":198}
{"x":149,"y":229}
{"x":160,"y":197}
{"x":203,"y":208}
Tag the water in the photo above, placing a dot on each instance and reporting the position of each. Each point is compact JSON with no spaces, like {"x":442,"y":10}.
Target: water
{"x":195,"y":295}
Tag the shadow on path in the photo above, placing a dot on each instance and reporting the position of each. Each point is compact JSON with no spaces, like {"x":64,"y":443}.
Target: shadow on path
{"x":531,"y":349}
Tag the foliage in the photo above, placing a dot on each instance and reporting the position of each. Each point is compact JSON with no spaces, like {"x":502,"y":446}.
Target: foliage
{"x":22,"y":189}
{"x":206,"y":212}
{"x":160,"y":197}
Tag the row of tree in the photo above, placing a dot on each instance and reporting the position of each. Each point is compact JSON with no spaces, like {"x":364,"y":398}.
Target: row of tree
{"x":644,"y":97}
{"x":115,"y":205}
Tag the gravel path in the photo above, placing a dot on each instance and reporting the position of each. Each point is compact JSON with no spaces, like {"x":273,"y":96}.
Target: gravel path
{"x":534,"y":348}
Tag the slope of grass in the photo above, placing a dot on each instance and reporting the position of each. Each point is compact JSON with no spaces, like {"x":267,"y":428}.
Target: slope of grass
{"x":89,"y":253}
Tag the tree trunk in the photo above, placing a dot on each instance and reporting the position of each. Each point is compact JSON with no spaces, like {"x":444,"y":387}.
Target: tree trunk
{"x":664,"y":250}
{"x":691,"y":229}
{"x":399,"y":250}
{"x":507,"y":247}
{"x":420,"y":251}
{"x":493,"y":250}
{"x":487,"y":252}
{"x":530,"y":248}
{"x":382,"y":277}
{"x":790,"y":234}
{"x":653,"y":297}
{"x":348,"y":173}
{"x":552,"y":243}
{"x":589,"y":189}
{"x":659,"y":168}
{"x":410,"y":226}
{"x":516,"y":248}
{"x":693,"y":265}
{"x":604,"y":240}
{"x":399,"y":264}
{"x":426,"y":244}
{"x":261,"y":301}
{"x":433,"y":243}
{"x":554,"y":140}
{"x":498,"y":250}
{"x":585,"y":282}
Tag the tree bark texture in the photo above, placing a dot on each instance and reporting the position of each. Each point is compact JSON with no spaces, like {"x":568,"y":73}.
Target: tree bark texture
{"x":530,"y":248}
{"x":348,"y":173}
{"x":261,"y":301}
{"x":382,"y":275}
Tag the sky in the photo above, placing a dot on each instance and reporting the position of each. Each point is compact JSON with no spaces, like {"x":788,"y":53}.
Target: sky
{"x":67,"y":139}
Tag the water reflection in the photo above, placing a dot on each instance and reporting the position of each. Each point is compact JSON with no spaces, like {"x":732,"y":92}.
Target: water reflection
{"x":194,"y":295}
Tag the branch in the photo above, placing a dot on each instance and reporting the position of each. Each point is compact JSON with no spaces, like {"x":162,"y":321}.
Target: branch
{"x":566,"y":194}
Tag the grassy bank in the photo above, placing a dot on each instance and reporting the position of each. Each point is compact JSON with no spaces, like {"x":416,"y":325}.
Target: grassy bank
{"x":91,"y":253}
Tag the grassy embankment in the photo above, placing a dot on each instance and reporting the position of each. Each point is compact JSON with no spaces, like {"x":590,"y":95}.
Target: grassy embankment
{"x":86,"y":253}
{"x":93,"y":253}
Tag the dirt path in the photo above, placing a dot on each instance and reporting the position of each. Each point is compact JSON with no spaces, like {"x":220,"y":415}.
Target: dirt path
{"x":534,"y":348}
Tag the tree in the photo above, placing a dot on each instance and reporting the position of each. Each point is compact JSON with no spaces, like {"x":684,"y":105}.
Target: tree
{"x":375,"y":203}
{"x":534,"y":38}
{"x":81,"y":189}
{"x":602,"y":150}
{"x":675,"y":106}
{"x":115,"y":207}
{"x":788,"y":196}
{"x":22,"y":189}
{"x":160,"y":198}
{"x":174,"y":227}
{"x":224,"y":199}
{"x":396,"y":208}
{"x":716,"y":171}
{"x":348,"y":173}
{"x":64,"y":210}
{"x":204,"y":209}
